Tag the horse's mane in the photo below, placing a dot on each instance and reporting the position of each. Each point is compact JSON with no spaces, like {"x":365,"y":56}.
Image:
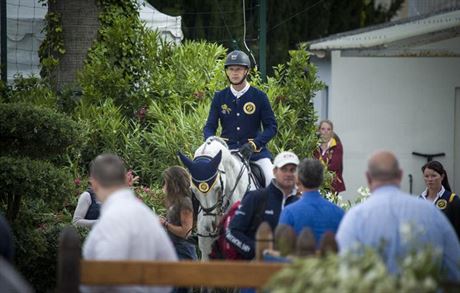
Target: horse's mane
{"x":212,"y":146}
{"x":218,"y":139}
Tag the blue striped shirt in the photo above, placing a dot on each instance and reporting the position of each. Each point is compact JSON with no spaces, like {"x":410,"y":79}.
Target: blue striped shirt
{"x":389,"y":218}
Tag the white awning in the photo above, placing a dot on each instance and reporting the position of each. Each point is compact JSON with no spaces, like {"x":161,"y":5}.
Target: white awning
{"x":382,"y":35}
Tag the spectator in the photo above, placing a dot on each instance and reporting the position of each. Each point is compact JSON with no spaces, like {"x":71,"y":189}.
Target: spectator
{"x":438,"y":192}
{"x":87,"y":210}
{"x":383,"y":218}
{"x":330,"y":153}
{"x":312,"y":210}
{"x":264,"y":205}
{"x":127,"y":229}
{"x":179,"y":218}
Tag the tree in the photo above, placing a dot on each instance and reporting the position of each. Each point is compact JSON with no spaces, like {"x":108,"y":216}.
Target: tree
{"x":289,"y":22}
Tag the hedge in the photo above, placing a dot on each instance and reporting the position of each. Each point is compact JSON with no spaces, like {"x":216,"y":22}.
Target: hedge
{"x":34,"y":179}
{"x":34,"y":131}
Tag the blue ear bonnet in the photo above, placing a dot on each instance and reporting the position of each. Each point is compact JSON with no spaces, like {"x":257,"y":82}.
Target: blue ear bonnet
{"x":203,"y":169}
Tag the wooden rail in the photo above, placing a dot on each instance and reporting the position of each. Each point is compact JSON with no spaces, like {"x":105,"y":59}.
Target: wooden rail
{"x":184,"y":274}
{"x":72,"y":271}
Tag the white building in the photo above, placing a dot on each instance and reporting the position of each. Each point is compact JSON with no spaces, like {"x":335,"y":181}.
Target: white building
{"x":394,"y":86}
{"x":25,"y":21}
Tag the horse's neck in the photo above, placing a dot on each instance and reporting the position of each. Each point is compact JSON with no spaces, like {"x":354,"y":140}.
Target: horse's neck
{"x":233,"y":166}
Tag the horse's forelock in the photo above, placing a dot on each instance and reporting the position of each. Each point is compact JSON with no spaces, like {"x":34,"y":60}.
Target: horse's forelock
{"x":211,"y":147}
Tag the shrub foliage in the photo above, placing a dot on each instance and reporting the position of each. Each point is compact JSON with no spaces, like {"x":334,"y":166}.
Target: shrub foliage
{"x":34,"y":131}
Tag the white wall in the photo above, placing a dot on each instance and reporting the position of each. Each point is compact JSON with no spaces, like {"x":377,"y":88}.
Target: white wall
{"x":400,"y":104}
{"x":321,"y":98}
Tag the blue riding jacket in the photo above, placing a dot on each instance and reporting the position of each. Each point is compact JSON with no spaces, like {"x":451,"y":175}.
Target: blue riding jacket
{"x":249,"y":117}
{"x":241,"y":231}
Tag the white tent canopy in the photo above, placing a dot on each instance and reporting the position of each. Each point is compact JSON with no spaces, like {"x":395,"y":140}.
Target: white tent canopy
{"x":168,"y":26}
{"x":25,"y":21}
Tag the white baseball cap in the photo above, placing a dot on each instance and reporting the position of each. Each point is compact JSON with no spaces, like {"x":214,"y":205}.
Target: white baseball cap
{"x":285,"y":158}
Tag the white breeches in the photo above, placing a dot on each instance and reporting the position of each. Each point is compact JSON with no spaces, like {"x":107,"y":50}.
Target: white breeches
{"x":267,"y":167}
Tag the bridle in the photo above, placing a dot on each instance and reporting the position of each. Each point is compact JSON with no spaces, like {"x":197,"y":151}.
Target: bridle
{"x":223,"y":199}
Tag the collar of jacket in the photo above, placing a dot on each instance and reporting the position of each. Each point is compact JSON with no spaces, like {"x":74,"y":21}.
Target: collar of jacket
{"x":275,"y":187}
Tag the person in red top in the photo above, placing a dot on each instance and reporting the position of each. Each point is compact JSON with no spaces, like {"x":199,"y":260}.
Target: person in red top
{"x":330,"y":153}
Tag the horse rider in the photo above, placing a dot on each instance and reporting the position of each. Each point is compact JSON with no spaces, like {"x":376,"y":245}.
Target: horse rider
{"x":245,"y":115}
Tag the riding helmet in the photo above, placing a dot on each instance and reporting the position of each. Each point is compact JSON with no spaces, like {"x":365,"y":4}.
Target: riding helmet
{"x":237,"y":58}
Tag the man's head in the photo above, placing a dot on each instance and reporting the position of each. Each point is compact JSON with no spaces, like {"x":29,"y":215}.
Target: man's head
{"x":107,"y":174}
{"x":310,"y":174}
{"x":383,"y":169}
{"x":237,"y":66}
{"x":285,"y":168}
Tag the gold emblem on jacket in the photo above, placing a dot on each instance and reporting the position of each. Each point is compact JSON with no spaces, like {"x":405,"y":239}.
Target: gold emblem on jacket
{"x":249,"y":108}
{"x":441,"y":204}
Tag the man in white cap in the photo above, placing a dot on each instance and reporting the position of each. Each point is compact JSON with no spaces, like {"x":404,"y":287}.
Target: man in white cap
{"x":264,"y":205}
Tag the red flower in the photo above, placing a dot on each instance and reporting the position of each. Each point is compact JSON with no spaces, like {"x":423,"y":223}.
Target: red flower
{"x":141,"y":113}
{"x":77,"y":181}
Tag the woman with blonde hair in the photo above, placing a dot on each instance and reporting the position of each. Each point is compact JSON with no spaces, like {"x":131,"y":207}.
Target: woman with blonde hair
{"x":330,"y":153}
{"x":179,"y":217}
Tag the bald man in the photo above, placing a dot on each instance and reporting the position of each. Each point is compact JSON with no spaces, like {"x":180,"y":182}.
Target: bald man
{"x":394,"y":222}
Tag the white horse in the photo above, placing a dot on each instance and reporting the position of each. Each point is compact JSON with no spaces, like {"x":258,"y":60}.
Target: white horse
{"x":219,"y":179}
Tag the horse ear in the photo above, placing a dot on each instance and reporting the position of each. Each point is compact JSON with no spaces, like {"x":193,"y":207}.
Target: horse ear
{"x":185,"y":160}
{"x":214,"y":164}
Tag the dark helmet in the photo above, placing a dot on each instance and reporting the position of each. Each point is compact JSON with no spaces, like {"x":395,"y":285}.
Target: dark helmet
{"x":237,"y":58}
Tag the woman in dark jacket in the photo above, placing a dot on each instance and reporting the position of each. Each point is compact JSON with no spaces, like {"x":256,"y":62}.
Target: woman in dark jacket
{"x":330,"y":153}
{"x":87,"y":210}
{"x":438,"y":191}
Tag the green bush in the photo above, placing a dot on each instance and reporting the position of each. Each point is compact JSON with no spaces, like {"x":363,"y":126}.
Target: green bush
{"x":36,"y":234}
{"x":31,"y":90}
{"x":35,"y":131}
{"x":32,"y":179}
{"x":152,"y":197}
{"x":175,"y":130}
{"x":121,"y":64}
{"x":103,"y":127}
{"x":291,"y":92}
{"x":194,"y":71}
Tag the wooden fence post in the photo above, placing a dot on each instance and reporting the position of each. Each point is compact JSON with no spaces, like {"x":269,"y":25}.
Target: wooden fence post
{"x":285,"y":239}
{"x":306,"y":243}
{"x":264,"y":239}
{"x":328,"y":243}
{"x":69,"y":255}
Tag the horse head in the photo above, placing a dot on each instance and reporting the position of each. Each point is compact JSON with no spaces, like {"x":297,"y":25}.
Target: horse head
{"x":215,"y":184}
{"x":204,"y":171}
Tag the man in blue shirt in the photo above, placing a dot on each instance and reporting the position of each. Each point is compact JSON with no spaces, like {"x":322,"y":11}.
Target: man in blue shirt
{"x":396,"y":223}
{"x":245,"y":115}
{"x":312,"y":210}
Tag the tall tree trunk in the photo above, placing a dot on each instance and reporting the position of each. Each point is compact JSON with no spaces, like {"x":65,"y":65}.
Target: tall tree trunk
{"x":80,"y":24}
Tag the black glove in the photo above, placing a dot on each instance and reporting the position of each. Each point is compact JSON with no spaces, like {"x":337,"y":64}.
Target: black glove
{"x":246,"y":150}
